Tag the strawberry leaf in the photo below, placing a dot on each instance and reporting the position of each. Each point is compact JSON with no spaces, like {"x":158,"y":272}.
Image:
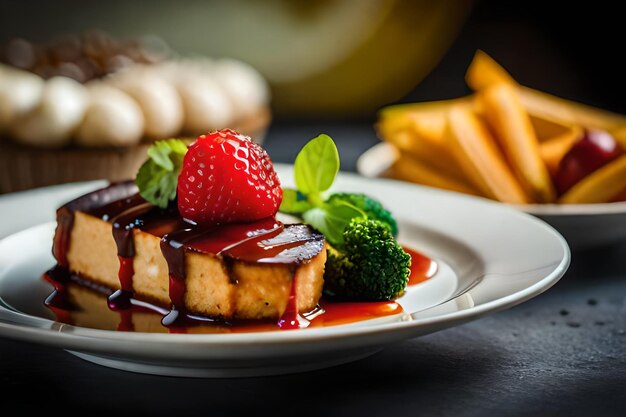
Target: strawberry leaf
{"x":157,"y":178}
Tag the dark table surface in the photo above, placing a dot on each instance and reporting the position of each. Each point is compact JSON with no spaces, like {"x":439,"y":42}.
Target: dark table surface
{"x":562,"y":353}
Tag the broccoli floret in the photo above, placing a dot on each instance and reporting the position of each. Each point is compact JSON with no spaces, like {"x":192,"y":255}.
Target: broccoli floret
{"x":371,"y":266}
{"x":370,"y":206}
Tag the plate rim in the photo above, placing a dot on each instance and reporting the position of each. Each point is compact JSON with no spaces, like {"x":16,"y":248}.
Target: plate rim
{"x":63,"y":333}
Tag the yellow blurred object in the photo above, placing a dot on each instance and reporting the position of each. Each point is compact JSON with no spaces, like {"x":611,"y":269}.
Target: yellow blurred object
{"x":484,"y":72}
{"x":373,"y":54}
{"x":505,"y":142}
{"x":428,"y":118}
{"x":480,"y":157}
{"x":621,"y":196}
{"x":547,"y":129}
{"x":514,"y":130}
{"x":620,"y":135}
{"x":414,"y":170}
{"x":601,"y":186}
{"x":418,"y":130}
{"x":434,"y":153}
{"x":555,"y":140}
{"x":568,"y":112}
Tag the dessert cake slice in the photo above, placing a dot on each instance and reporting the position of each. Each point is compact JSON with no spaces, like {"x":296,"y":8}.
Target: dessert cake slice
{"x":207,"y":242}
{"x":114,"y":238}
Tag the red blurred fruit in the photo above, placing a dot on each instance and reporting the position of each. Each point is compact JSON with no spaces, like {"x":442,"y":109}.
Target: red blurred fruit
{"x":594,"y":150}
{"x":227,"y":178}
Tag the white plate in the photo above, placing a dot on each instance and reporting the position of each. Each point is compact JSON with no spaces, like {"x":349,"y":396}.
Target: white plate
{"x":584,"y":226}
{"x":491,"y":257}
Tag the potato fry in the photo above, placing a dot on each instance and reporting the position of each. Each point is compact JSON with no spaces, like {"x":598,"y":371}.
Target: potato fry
{"x":569,"y":112}
{"x":427,"y":125}
{"x":427,"y":119}
{"x":434,"y":153}
{"x":516,"y":136}
{"x":481,"y":159}
{"x":552,"y":150}
{"x":601,"y":186}
{"x":484,"y":72}
{"x":437,"y":106}
{"x":389,"y":125}
{"x":621,"y":196}
{"x":430,"y":125}
{"x":420,"y":134}
{"x":505,"y":142}
{"x":547,"y":129}
{"x":414,"y":170}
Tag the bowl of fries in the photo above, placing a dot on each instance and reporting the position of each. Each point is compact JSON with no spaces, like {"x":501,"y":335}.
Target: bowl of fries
{"x":559,"y":160}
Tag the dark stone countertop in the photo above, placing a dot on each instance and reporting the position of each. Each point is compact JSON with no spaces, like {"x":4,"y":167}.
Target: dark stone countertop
{"x":562,"y":353}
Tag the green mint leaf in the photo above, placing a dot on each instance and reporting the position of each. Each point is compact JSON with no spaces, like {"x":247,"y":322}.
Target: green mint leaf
{"x":158,"y":176}
{"x":331,"y":219}
{"x":294,"y":202}
{"x":316,"y":165}
{"x":160,"y":152}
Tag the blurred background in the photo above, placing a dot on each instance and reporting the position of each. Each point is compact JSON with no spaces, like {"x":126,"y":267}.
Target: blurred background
{"x":338,"y":59}
{"x":327,"y":58}
{"x":330,"y":63}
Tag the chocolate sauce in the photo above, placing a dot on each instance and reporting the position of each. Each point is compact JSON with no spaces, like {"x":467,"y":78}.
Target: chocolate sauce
{"x":61,"y":245}
{"x":85,"y":304}
{"x":173,"y":250}
{"x":58,"y":301}
{"x":294,"y":244}
{"x":90,"y":203}
{"x":263,"y":241}
{"x":123,"y":226}
{"x":120,"y":299}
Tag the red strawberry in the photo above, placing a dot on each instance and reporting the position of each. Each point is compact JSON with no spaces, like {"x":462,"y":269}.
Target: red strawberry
{"x":227,"y":178}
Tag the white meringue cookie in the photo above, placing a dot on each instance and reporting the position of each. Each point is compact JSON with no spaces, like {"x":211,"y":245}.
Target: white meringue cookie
{"x":20,"y":92}
{"x":159,"y":101}
{"x":207,"y":107}
{"x":244,"y":85}
{"x":113,"y":118}
{"x":59,"y":112}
